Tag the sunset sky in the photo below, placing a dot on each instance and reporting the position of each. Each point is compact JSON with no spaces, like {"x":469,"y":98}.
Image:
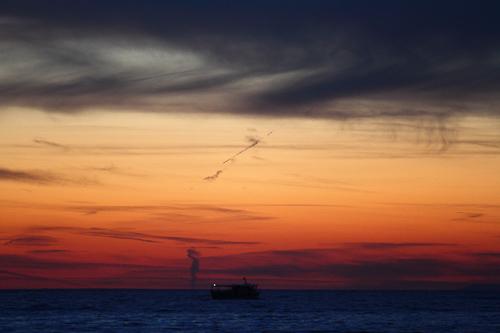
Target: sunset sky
{"x":302,"y":144}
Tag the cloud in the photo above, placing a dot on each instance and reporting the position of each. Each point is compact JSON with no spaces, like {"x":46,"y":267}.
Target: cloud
{"x":32,"y":240}
{"x":492,"y":255}
{"x":212,"y":208}
{"x":181,"y":213}
{"x":389,"y":271}
{"x":51,"y":251}
{"x":137,"y":236}
{"x":11,"y":261}
{"x":390,"y":246}
{"x":43,"y":178}
{"x":228,"y":214}
{"x":48,"y":143}
{"x":20,"y":277}
{"x":35,"y":177}
{"x":112,"y":169}
{"x":361,"y":270}
{"x":328,"y":59}
{"x":469,"y":217}
{"x":182,"y":207}
{"x":127,"y":235}
{"x":292,"y":268}
{"x":20,"y":271}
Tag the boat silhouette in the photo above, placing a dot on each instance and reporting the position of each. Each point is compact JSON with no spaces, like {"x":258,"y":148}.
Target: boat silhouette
{"x":235,"y":291}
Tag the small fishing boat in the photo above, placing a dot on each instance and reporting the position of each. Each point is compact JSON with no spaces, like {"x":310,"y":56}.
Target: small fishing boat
{"x":235,"y":291}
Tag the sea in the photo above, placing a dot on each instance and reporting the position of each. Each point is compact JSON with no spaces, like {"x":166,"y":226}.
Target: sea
{"x":276,"y":311}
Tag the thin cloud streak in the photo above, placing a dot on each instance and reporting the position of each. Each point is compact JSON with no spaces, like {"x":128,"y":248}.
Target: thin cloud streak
{"x":85,"y":209}
{"x":390,"y":271}
{"x":32,"y":240}
{"x":44,"y":178}
{"x":136,"y":236}
{"x":27,"y":176}
{"x":51,"y":251}
{"x":164,"y":212}
{"x":48,"y":143}
{"x":30,"y":277}
{"x":390,"y":246}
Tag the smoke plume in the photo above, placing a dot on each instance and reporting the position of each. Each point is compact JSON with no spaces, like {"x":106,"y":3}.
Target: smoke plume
{"x":195,"y":265}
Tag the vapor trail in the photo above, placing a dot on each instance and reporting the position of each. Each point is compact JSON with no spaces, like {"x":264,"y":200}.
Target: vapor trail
{"x":214,"y":176}
{"x":254,"y":142}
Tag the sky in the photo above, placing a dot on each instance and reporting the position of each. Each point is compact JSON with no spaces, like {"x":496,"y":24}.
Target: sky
{"x":301,"y":144}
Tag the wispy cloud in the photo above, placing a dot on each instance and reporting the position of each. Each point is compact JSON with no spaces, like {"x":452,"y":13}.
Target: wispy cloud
{"x":389,"y":271}
{"x":492,"y":255}
{"x":44,"y":178}
{"x":185,"y":213}
{"x":391,"y":246}
{"x":285,"y":268}
{"x":469,"y":217}
{"x":50,"y":251}
{"x":30,"y":278}
{"x":366,"y":71}
{"x":179,"y":207}
{"x":137,"y":236}
{"x":10,"y":261}
{"x":19,"y":271}
{"x":32,"y":240}
{"x":48,"y":143}
{"x":35,"y":177}
{"x":113,"y":170}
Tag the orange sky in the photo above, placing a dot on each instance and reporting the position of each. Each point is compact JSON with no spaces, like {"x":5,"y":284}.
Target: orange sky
{"x":109,"y":199}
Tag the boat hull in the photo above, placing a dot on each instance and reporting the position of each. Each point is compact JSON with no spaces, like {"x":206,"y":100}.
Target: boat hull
{"x":234,"y":294}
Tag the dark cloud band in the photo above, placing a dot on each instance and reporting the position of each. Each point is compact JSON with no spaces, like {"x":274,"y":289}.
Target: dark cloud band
{"x":310,"y":59}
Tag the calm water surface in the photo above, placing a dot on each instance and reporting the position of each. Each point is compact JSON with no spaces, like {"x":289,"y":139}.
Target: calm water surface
{"x":277,"y":311}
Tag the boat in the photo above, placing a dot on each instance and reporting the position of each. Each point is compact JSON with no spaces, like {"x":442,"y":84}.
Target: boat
{"x":235,"y":291}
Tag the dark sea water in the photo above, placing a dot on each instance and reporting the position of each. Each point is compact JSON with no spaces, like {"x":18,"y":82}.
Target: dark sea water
{"x":276,"y":311}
